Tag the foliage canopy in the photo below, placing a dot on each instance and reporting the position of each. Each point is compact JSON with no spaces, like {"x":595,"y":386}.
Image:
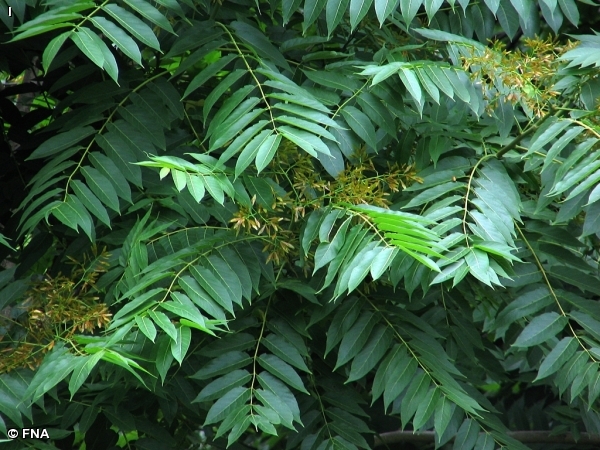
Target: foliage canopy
{"x":299,"y":224}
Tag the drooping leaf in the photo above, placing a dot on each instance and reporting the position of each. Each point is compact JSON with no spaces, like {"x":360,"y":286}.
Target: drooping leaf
{"x":136,"y":27}
{"x":221,"y":408}
{"x":82,"y":370}
{"x":149,"y":12}
{"x":125,"y":43}
{"x":61,"y":142}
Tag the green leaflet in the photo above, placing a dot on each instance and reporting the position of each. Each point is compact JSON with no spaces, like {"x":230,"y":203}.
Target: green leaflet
{"x":213,"y":286}
{"x":570,"y":10}
{"x":528,"y":303}
{"x":308,"y":142}
{"x":143,"y":301}
{"x":121,"y":155}
{"x":327,"y":251}
{"x":307,"y":113}
{"x":415,"y":397}
{"x":361,"y":265}
{"x":82,"y":370}
{"x":377,"y":112}
{"x":594,"y":388}
{"x":373,"y":351}
{"x":56,"y":366}
{"x":432,"y":8}
{"x":409,"y":9}
{"x":236,"y":121}
{"x":360,"y":123}
{"x":181,"y":343}
{"x":382,"y":260}
{"x":358,"y":10}
{"x":306,"y":125}
{"x":582,"y":380}
{"x":573,"y":368}
{"x":311,"y":229}
{"x":223,"y":364}
{"x":220,"y":90}
{"x":266,"y":152}
{"x":235,"y":398}
{"x":333,"y":80}
{"x":383,"y":8}
{"x":347,"y":270}
{"x":206,"y":74}
{"x":314,"y":7}
{"x":222,"y":385}
{"x":280,"y":347}
{"x":589,"y":324}
{"x":334,"y":12}
{"x":410,"y":80}
{"x":163,"y":322}
{"x":355,"y":339}
{"x":485,"y":442}
{"x":250,"y":151}
{"x":184,"y":310}
{"x":61,"y":142}
{"x":404,"y":367}
{"x":348,"y":437}
{"x":73,"y":214}
{"x":467,"y":435}
{"x":111,"y":172}
{"x":125,"y":43}
{"x":357,"y":238}
{"x":540,"y":329}
{"x":143,"y":121}
{"x":240,"y":142}
{"x":383,"y":373}
{"x":432,"y":354}
{"x":259,"y":43}
{"x":90,"y":44}
{"x":280,"y":390}
{"x":577,"y":278}
{"x":546,"y":133}
{"x":154,"y":106}
{"x":428,"y":84}
{"x":200,"y":297}
{"x":282,"y":370}
{"x":444,"y":410}
{"x":146,"y":326}
{"x":344,"y":318}
{"x":227,"y":276}
{"x":150,"y":13}
{"x":52,"y":49}
{"x":233,"y":342}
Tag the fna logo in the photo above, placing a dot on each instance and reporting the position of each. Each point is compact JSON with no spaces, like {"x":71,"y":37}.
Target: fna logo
{"x":28,"y":433}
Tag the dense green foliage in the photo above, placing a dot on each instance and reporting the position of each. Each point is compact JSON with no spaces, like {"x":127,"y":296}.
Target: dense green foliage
{"x":299,"y":224}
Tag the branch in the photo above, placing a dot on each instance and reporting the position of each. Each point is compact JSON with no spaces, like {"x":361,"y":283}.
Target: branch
{"x":520,"y":137}
{"x":527,"y":437}
{"x":559,"y":112}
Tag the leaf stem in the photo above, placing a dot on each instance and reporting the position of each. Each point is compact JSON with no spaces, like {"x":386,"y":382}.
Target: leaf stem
{"x":108,"y":119}
{"x":258,"y":83}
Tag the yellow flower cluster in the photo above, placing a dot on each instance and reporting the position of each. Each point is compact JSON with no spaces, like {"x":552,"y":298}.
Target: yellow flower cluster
{"x":519,"y":76}
{"x":359,"y":183}
{"x":56,"y":309}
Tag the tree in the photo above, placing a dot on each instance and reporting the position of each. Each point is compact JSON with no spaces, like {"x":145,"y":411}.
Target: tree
{"x":300,"y":224}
